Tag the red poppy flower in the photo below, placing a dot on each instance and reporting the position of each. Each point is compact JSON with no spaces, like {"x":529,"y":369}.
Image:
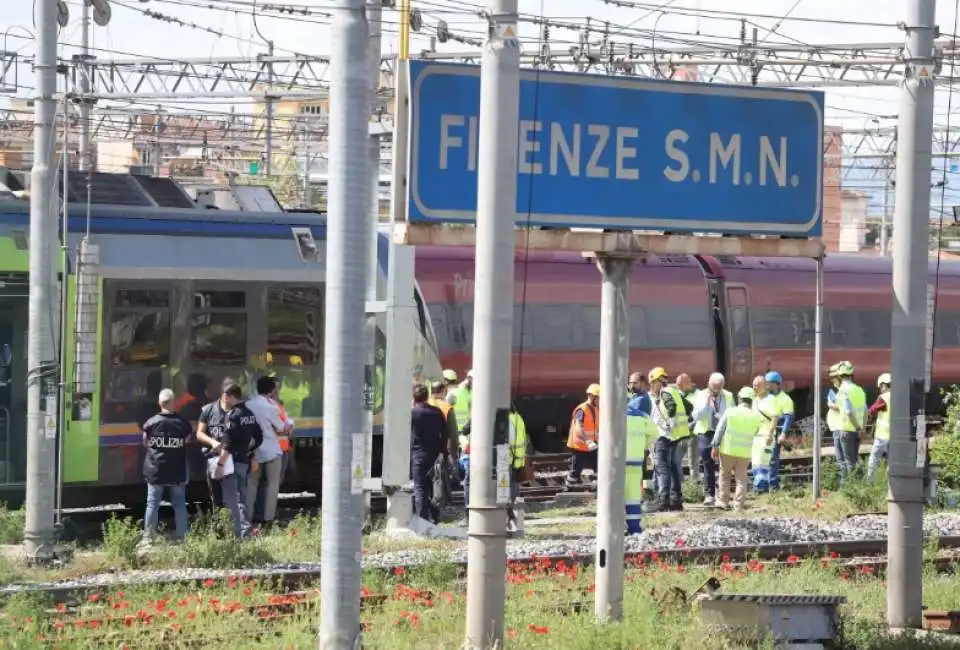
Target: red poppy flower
{"x":247,"y":591}
{"x":92,"y":598}
{"x":61,"y":607}
{"x":537,"y":629}
{"x":208,"y":583}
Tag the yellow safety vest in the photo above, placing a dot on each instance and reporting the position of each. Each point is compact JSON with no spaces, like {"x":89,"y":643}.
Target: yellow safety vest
{"x":882,"y":430}
{"x":772,"y":407}
{"x":518,"y":440}
{"x":293,"y":398}
{"x":858,"y":400}
{"x":742,"y":426}
{"x":703,"y":424}
{"x":640,"y":429}
{"x":681,"y":424}
{"x":834,"y":417}
{"x":462,"y":407}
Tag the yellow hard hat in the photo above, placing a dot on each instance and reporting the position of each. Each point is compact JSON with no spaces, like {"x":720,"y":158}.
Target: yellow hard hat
{"x":450,"y":375}
{"x":657,"y":374}
{"x":884,"y":379}
{"x":747,"y":393}
{"x":593,"y":389}
{"x":295,"y":360}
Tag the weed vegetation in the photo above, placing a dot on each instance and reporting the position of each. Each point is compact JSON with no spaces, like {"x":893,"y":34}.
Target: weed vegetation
{"x":548,"y":606}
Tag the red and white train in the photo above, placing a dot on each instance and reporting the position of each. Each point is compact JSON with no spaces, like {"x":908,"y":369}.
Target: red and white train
{"x":741,"y":316}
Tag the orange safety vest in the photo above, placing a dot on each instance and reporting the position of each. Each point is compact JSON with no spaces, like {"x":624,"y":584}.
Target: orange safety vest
{"x":591,"y":423}
{"x":284,"y":442}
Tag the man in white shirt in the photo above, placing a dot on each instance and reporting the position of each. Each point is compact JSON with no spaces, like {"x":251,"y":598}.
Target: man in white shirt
{"x":269,"y":455}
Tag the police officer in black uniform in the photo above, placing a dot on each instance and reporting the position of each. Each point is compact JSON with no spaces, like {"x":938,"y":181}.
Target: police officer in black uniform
{"x":165,"y":465}
{"x":231,"y":432}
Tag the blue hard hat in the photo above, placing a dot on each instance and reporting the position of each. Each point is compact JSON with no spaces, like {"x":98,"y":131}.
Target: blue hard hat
{"x":773,"y":377}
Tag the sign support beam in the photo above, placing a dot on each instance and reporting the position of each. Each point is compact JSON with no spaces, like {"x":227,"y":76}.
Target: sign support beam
{"x":422,"y":234}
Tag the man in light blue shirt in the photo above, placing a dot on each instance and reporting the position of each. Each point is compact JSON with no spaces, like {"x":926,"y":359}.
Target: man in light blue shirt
{"x":269,"y":455}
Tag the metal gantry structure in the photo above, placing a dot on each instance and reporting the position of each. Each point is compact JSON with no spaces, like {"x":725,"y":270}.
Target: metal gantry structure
{"x":305,"y":78}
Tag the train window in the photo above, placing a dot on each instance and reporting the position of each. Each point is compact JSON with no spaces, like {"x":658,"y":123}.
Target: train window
{"x":141,"y":298}
{"x":544,"y":327}
{"x":638,"y":327}
{"x":294,"y":325}
{"x":219,"y":339}
{"x":782,"y":327}
{"x":219,"y":300}
{"x":139,"y":338}
{"x":453,"y":325}
{"x":421,"y":312}
{"x":590,"y":324}
{"x":856,"y":328}
{"x":739,"y":328}
{"x":677,"y":327}
{"x":946,"y":330}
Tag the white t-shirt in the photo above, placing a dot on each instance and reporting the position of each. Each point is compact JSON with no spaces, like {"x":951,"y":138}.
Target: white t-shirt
{"x":268,"y":417}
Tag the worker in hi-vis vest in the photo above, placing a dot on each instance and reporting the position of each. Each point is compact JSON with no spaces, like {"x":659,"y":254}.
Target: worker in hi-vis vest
{"x":880,"y":411}
{"x":732,"y":447}
{"x":776,"y":408}
{"x":583,"y":435}
{"x":640,"y":429}
{"x":851,"y":405}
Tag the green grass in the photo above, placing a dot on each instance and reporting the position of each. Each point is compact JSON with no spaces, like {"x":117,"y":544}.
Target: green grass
{"x":425,"y":609}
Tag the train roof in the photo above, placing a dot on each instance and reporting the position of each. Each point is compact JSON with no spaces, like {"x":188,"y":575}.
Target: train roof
{"x":200,"y":222}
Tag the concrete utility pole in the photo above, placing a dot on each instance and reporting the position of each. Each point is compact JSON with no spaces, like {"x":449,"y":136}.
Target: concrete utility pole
{"x":493,"y":321}
{"x":612,"y":455}
{"x":817,"y":375}
{"x":911,"y":224}
{"x":85,"y":155}
{"x":348,"y":240}
{"x":44,"y":311}
{"x":374,"y":16}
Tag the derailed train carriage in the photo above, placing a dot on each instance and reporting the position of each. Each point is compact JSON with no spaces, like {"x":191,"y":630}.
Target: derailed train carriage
{"x":184,"y":298}
{"x":688,"y":313}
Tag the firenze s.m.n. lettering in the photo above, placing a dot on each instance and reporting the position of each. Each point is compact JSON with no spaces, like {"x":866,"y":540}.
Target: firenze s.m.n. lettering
{"x":603,"y":151}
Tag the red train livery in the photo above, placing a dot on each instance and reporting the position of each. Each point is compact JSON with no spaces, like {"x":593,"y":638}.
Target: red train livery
{"x":739,"y":315}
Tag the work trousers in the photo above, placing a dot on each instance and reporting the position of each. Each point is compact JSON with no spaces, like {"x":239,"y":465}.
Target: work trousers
{"x":233,"y":491}
{"x":266,"y":480}
{"x":737,"y":467}
{"x":421,"y":472}
{"x":178,"y":499}
{"x":667,"y":455}
{"x":846,"y":447}
{"x":709,"y":465}
{"x":768,"y":478}
{"x":579,"y":461}
{"x":880,"y":449}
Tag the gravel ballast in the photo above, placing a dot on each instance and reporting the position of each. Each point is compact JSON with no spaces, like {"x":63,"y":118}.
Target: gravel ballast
{"x":723,"y":532}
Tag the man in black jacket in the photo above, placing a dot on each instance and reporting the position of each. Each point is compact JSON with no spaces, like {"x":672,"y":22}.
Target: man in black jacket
{"x":428,"y":440}
{"x":165,"y":465}
{"x":231,"y":431}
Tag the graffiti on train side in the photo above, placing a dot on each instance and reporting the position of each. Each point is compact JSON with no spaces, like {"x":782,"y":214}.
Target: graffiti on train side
{"x":462,"y":288}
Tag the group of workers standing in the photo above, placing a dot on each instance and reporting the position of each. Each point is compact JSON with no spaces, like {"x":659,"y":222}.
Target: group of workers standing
{"x":665,"y":420}
{"x":440,"y":439}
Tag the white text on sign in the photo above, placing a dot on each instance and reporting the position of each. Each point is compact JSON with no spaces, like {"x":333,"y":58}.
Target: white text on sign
{"x":605,"y":151}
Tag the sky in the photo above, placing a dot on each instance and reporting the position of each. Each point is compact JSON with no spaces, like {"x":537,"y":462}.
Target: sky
{"x":225,"y":28}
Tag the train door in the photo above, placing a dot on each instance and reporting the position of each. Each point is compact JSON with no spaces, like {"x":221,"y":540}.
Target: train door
{"x":13,"y":381}
{"x":717,"y":311}
{"x":741,"y":344}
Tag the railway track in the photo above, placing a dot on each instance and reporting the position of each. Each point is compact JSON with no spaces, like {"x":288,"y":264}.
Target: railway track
{"x":291,"y":580}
